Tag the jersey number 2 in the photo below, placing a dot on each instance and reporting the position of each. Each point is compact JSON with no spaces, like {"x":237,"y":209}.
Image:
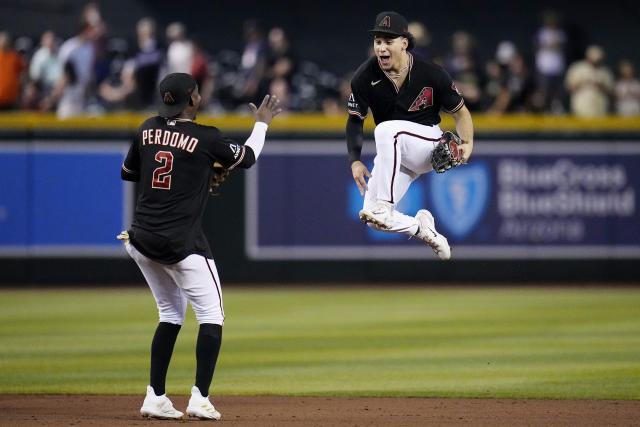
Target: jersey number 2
{"x":162,"y":174}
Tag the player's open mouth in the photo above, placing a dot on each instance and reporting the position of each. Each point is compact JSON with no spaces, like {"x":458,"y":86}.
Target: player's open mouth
{"x":384,"y":59}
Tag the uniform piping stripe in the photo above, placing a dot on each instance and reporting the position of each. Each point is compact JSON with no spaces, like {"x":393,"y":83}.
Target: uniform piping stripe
{"x":355,"y":113}
{"x":416,"y":135}
{"x":459,"y":106}
{"x":395,"y":86}
{"x":395,"y":153}
{"x":395,"y":159}
{"x":240,"y":159}
{"x":217,"y":287}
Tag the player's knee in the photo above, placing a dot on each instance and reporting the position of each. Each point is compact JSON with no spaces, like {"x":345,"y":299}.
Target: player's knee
{"x":213,"y":316}
{"x":171,"y":318}
{"x":384,"y":133}
{"x":171,"y":311}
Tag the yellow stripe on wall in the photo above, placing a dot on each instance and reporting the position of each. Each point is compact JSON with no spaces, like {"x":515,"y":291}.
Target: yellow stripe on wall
{"x":317,"y":122}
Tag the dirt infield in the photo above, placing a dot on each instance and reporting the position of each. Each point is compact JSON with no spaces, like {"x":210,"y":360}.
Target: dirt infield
{"x":100,"y":410}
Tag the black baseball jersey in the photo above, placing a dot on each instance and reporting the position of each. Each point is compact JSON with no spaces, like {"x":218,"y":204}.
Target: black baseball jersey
{"x":172,"y":159}
{"x":426,"y":89}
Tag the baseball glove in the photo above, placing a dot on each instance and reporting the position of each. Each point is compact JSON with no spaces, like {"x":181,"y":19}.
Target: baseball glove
{"x":446,"y":154}
{"x":219,"y":175}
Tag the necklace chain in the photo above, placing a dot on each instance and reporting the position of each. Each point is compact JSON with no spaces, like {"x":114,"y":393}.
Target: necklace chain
{"x":399,"y":73}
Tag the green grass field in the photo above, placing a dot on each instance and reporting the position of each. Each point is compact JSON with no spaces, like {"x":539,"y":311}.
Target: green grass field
{"x":460,"y":342}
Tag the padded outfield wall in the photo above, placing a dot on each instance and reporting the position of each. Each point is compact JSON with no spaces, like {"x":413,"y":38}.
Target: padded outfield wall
{"x":544,"y":198}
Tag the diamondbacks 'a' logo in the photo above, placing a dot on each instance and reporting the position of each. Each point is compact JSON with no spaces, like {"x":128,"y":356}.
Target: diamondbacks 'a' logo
{"x":454,"y":87}
{"x":424,"y":100}
{"x":168,"y":98}
{"x":386,"y":22}
{"x":235,"y":149}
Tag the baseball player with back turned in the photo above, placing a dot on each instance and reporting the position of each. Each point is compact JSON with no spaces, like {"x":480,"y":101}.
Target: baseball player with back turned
{"x":405,"y":95}
{"x":177,"y":163}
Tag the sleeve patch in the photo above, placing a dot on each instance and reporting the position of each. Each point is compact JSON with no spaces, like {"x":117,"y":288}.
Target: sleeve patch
{"x":352,"y":104}
{"x":240,"y":153}
{"x":236,"y":150}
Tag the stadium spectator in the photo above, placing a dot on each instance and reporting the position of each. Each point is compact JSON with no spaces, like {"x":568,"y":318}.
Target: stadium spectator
{"x":516,"y":89}
{"x":335,"y":103}
{"x":627,"y":90}
{"x":202,"y":74}
{"x":462,"y":55}
{"x":281,"y":89}
{"x":44,"y":71}
{"x":117,"y":53}
{"x":146,"y":65}
{"x":492,"y":84}
{"x":70,"y":92}
{"x":461,"y":64}
{"x":180,"y":51}
{"x":550,"y":43}
{"x":252,"y":63}
{"x":421,"y":39}
{"x":590,"y":84}
{"x":11,"y":67}
{"x":92,"y":17}
{"x":281,"y":59}
{"x":281,"y":64}
{"x":504,"y":52}
{"x":469,"y":84}
{"x":24,"y":46}
{"x":140,"y":74}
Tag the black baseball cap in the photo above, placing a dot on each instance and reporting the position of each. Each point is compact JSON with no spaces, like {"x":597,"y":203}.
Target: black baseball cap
{"x":392,"y":23}
{"x":175,"y":93}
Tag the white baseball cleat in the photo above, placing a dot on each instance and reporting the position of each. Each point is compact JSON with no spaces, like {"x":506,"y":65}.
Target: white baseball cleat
{"x":158,"y":407}
{"x":430,"y":236}
{"x":200,"y":407}
{"x":381,"y":215}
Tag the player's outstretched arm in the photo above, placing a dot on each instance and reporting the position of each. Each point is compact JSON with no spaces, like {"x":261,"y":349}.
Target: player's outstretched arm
{"x":464,"y":128}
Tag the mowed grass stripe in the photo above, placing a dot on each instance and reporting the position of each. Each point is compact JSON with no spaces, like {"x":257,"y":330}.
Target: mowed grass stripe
{"x":467,"y":342}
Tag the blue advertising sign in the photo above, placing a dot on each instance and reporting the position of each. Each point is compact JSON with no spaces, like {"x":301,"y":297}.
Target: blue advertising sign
{"x":14,"y":194}
{"x":515,"y":199}
{"x":63,"y":199}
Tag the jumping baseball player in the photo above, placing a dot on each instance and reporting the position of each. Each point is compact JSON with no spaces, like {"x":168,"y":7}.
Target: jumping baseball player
{"x":172,"y":159}
{"x":405,"y":95}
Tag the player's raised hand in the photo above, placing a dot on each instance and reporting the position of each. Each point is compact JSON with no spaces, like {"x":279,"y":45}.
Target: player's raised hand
{"x":267,"y":110}
{"x":359,"y":171}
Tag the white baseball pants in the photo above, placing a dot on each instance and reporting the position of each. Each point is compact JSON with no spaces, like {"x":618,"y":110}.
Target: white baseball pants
{"x":194,"y":279}
{"x":403,"y":153}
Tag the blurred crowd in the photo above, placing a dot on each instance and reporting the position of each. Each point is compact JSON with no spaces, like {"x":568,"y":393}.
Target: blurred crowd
{"x":542,"y":82}
{"x":95,"y":72}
